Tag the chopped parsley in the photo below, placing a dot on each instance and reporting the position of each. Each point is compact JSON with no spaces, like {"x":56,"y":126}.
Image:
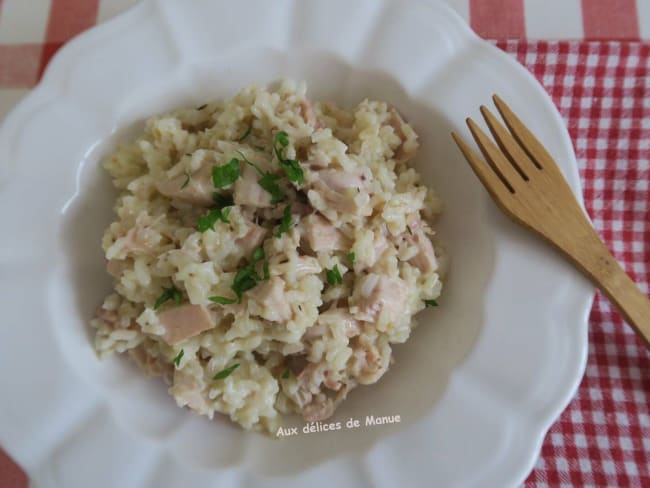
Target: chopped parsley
{"x":226,"y":372}
{"x":260,"y":148}
{"x":285,"y":375}
{"x":172,"y":293}
{"x":246,"y":134}
{"x":225,"y":175}
{"x":334,"y":276}
{"x":268,"y":181}
{"x":286,"y":221}
{"x":247,"y":277}
{"x":177,"y":359}
{"x":207,"y":221}
{"x":291,"y":167}
{"x":202,"y":106}
{"x":223,"y":300}
{"x":430,"y":303}
{"x":188,"y":176}
{"x":352,"y":257}
{"x":220,"y":212}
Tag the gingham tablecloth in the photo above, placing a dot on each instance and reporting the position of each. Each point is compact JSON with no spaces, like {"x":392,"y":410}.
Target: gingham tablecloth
{"x":601,"y":83}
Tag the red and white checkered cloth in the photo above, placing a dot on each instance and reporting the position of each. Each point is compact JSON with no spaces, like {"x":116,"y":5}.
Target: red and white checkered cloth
{"x":603,"y":91}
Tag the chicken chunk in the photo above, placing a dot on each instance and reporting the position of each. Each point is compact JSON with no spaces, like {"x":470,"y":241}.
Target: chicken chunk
{"x":188,"y":392}
{"x":305,"y":265}
{"x":323,"y":236}
{"x":253,"y":239}
{"x":247,"y":191}
{"x":271,"y":301}
{"x":185,"y":321}
{"x":307,"y":111}
{"x":195,"y":189}
{"x":339,"y":188}
{"x":381,"y":294}
{"x":425,"y":259}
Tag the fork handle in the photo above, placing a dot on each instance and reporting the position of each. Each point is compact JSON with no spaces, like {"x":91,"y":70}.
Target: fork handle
{"x":607,"y":274}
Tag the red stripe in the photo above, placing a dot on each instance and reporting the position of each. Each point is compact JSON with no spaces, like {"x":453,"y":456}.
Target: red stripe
{"x":67,"y":19}
{"x":10,"y":473}
{"x":498,"y":19}
{"x":70,"y":17}
{"x":19,"y":65}
{"x":610,"y":19}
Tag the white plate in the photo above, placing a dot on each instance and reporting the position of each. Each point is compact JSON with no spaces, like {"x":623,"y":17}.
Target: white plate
{"x":482,"y":377}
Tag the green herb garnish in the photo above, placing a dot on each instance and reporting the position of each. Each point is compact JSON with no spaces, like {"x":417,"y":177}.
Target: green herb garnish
{"x":291,"y":167}
{"x":226,"y":372}
{"x":260,"y":148}
{"x":265,"y":270}
{"x":225,"y":175}
{"x":285,"y":375}
{"x":177,"y":359}
{"x":220,"y":212}
{"x":286,"y":221}
{"x":202,"y":106}
{"x":208,"y":220}
{"x":172,"y":293}
{"x":334,"y":276}
{"x":246,"y":134}
{"x":247,"y":278}
{"x":188,"y":176}
{"x":430,"y":303}
{"x":352,"y":257}
{"x":268,"y":181}
{"x":223,"y":300}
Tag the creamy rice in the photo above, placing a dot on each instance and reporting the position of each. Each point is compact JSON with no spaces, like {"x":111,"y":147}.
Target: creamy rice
{"x":325,"y":266}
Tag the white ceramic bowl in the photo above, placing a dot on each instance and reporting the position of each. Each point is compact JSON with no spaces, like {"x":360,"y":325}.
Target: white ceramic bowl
{"x":480,"y":380}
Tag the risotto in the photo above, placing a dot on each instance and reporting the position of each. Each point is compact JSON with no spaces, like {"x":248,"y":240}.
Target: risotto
{"x":267,"y":252}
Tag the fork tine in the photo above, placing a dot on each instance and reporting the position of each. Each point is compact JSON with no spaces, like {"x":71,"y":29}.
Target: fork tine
{"x":489,"y":178}
{"x":535,"y":150}
{"x":508,"y":144}
{"x":499,"y":163}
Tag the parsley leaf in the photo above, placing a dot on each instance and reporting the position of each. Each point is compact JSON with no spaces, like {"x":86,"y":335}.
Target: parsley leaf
{"x":188,"y":176}
{"x":223,"y":300}
{"x":265,"y":270}
{"x":291,"y":167}
{"x":286,"y":221}
{"x":285,"y":375}
{"x":352,"y":257}
{"x":334,"y":276}
{"x":247,"y":278}
{"x":226,"y":372}
{"x":246,"y":134}
{"x":172,"y":293}
{"x":177,"y":359}
{"x":225,"y":175}
{"x":430,"y":303}
{"x":268,"y":181}
{"x":258,"y":254}
{"x":208,"y":220}
{"x":219,"y":213}
{"x":293,"y":170}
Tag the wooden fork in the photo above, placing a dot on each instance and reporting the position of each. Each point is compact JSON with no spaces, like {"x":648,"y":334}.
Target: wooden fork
{"x":526,"y":184}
